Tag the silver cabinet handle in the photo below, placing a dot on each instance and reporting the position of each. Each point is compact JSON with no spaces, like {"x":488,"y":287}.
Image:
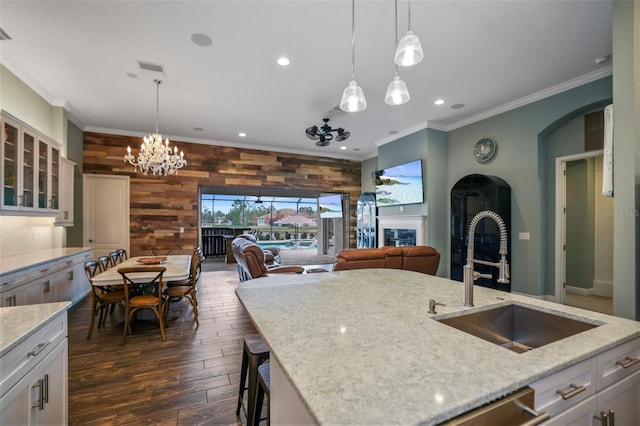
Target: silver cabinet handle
{"x":576,"y":390}
{"x":45,"y":392}
{"x":628,"y":362}
{"x":38,"y":348}
{"x":537,"y":417}
{"x":40,"y":403}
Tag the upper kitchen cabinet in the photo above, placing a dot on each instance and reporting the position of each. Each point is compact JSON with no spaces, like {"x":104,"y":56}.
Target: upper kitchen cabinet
{"x":30,"y":174}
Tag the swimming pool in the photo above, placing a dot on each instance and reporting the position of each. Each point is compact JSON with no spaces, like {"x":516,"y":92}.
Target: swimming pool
{"x":286,"y":245}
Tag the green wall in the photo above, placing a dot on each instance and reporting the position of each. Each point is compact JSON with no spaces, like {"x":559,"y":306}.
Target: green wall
{"x":520,"y":162}
{"x":74,"y":153}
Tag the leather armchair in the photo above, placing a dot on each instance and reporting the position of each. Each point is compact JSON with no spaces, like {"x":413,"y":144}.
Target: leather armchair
{"x":271,"y":254}
{"x":251,"y":261}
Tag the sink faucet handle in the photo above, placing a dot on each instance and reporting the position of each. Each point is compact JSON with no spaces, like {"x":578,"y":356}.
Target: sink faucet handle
{"x":432,"y":306}
{"x":477,"y":275}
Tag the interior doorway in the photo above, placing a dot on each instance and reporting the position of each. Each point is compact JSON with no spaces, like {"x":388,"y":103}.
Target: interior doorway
{"x":584,"y":241}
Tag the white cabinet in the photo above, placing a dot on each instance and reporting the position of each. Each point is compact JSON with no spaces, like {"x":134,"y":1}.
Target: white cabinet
{"x":65,"y":214}
{"x":614,"y":375}
{"x":30,"y":170}
{"x":58,"y":280}
{"x":34,"y":387}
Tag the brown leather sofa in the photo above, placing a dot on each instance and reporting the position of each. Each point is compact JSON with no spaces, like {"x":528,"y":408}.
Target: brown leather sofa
{"x":422,"y":259}
{"x":251,"y":261}
{"x":271,"y":254}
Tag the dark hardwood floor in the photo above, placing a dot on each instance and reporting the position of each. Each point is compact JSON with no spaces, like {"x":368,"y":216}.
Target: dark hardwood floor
{"x":192,"y":378}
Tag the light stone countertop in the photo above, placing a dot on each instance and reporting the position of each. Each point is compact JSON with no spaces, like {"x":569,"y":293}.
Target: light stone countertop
{"x":11,"y":264}
{"x":17,"y":323}
{"x":359,"y":347}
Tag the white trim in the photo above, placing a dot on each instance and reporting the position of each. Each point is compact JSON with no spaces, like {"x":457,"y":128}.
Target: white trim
{"x":419,"y":223}
{"x":579,"y":290}
{"x":560,"y":231}
{"x":529,"y":99}
{"x":603,"y":288}
{"x":31,"y":82}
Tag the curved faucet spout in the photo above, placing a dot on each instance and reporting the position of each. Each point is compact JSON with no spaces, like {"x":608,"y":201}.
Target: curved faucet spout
{"x":469,"y":274}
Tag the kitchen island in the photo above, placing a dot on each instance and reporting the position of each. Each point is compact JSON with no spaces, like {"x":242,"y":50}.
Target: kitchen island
{"x":358,"y":347}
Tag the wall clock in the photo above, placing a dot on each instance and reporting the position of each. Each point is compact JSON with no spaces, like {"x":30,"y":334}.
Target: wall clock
{"x":485,"y":149}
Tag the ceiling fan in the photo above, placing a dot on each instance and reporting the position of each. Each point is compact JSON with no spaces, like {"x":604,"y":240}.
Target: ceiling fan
{"x":324,"y":134}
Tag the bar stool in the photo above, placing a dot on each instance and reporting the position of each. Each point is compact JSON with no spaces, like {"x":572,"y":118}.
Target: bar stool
{"x":255,"y":352}
{"x":264,"y":385}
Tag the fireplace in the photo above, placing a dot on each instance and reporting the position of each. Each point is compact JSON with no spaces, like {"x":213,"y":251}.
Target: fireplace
{"x":402,"y":230}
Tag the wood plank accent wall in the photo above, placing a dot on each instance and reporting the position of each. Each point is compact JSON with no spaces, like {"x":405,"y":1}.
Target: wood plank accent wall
{"x":161,"y":205}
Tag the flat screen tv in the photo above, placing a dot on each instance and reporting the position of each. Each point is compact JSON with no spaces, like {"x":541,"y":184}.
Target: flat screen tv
{"x":330,"y":206}
{"x":400,"y":184}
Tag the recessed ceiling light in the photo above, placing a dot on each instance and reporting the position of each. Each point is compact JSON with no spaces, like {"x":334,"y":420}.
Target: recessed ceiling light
{"x":283,"y":61}
{"x":439,"y":101}
{"x":356,"y":149}
{"x":201,"y":39}
{"x":393,"y":132}
{"x":343,"y":147}
{"x":198,"y":129}
{"x":242,"y":134}
{"x":132,"y":75}
{"x":457,"y":106}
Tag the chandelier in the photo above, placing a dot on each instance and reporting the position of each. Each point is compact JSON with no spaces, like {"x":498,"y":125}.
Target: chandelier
{"x":323,"y":134}
{"x":156,"y":156}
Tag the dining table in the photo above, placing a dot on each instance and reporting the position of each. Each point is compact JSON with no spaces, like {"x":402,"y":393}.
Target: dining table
{"x":177,"y":269}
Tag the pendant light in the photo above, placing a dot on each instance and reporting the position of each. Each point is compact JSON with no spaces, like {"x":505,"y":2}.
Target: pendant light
{"x":409,"y":50}
{"x":397,"y":92}
{"x":353,"y":97}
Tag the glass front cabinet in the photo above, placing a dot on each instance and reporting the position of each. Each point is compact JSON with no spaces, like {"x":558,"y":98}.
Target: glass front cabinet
{"x":30,"y":170}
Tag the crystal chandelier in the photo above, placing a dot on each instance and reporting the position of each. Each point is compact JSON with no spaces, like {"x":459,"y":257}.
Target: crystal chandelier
{"x":156,"y":156}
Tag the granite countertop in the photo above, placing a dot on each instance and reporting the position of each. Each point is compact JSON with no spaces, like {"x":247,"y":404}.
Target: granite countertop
{"x":11,"y":264}
{"x":360,"y":348}
{"x":17,"y":323}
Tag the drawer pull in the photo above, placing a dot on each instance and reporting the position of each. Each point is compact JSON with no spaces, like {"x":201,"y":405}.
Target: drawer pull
{"x":538,"y":417}
{"x":628,"y":362}
{"x":45,"y":392}
{"x":38,"y":348}
{"x":576,"y":390}
{"x":40,"y":403}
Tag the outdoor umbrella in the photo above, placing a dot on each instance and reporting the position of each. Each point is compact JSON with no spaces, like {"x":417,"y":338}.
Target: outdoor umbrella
{"x":295,"y":219}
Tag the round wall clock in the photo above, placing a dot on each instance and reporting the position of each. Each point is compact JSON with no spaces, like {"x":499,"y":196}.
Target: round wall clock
{"x":485,"y":149}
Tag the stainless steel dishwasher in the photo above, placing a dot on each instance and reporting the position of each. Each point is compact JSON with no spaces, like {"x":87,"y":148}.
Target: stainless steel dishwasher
{"x":512,"y":410}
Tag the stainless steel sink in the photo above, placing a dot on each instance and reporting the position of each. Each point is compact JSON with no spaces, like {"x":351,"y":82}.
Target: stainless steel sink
{"x":517,"y":328}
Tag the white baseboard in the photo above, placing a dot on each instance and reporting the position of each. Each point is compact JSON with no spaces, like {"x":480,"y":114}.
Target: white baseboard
{"x":579,"y":290}
{"x":603,"y":288}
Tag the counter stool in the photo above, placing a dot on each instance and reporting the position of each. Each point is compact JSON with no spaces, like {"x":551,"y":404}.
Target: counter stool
{"x":264,"y":379}
{"x":254,"y":354}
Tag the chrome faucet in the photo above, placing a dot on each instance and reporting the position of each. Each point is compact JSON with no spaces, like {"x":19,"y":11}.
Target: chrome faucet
{"x":469,"y":274}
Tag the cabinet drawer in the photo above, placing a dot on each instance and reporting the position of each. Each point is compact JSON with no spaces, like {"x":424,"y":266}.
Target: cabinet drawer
{"x":27,"y":354}
{"x":570,"y":382}
{"x":13,"y":280}
{"x":618,"y":363}
{"x":74,"y":259}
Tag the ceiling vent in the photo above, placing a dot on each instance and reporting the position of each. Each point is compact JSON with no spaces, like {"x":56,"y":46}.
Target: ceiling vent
{"x":151,"y":69}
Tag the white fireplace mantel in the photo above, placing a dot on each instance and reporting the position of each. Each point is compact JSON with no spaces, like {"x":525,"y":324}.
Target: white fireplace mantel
{"x":419,"y":223}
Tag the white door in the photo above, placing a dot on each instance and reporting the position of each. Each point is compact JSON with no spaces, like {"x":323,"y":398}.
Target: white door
{"x":105,"y":213}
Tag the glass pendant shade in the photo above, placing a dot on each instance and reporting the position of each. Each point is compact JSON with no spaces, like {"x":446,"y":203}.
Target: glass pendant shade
{"x":409,"y":50}
{"x":353,"y":98}
{"x":397,"y":92}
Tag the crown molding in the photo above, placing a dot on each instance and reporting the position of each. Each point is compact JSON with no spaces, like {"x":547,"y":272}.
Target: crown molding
{"x":534,"y":97}
{"x":31,"y":82}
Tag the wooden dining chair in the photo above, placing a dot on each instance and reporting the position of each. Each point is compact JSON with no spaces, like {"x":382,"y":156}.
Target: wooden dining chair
{"x":115,"y":257}
{"x":134,"y":301}
{"x":123,"y":255}
{"x":195,"y":256}
{"x":186,"y":291}
{"x":101,"y":297}
{"x":105,"y":263}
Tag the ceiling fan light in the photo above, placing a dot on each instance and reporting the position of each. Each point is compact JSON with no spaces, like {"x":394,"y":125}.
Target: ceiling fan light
{"x":397,"y":92}
{"x":312,"y":132}
{"x":342,"y":135}
{"x":409,"y":50}
{"x":353,"y":99}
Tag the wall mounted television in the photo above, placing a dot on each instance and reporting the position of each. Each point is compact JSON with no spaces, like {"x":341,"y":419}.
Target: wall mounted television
{"x":330,"y":206}
{"x":400,"y":184}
